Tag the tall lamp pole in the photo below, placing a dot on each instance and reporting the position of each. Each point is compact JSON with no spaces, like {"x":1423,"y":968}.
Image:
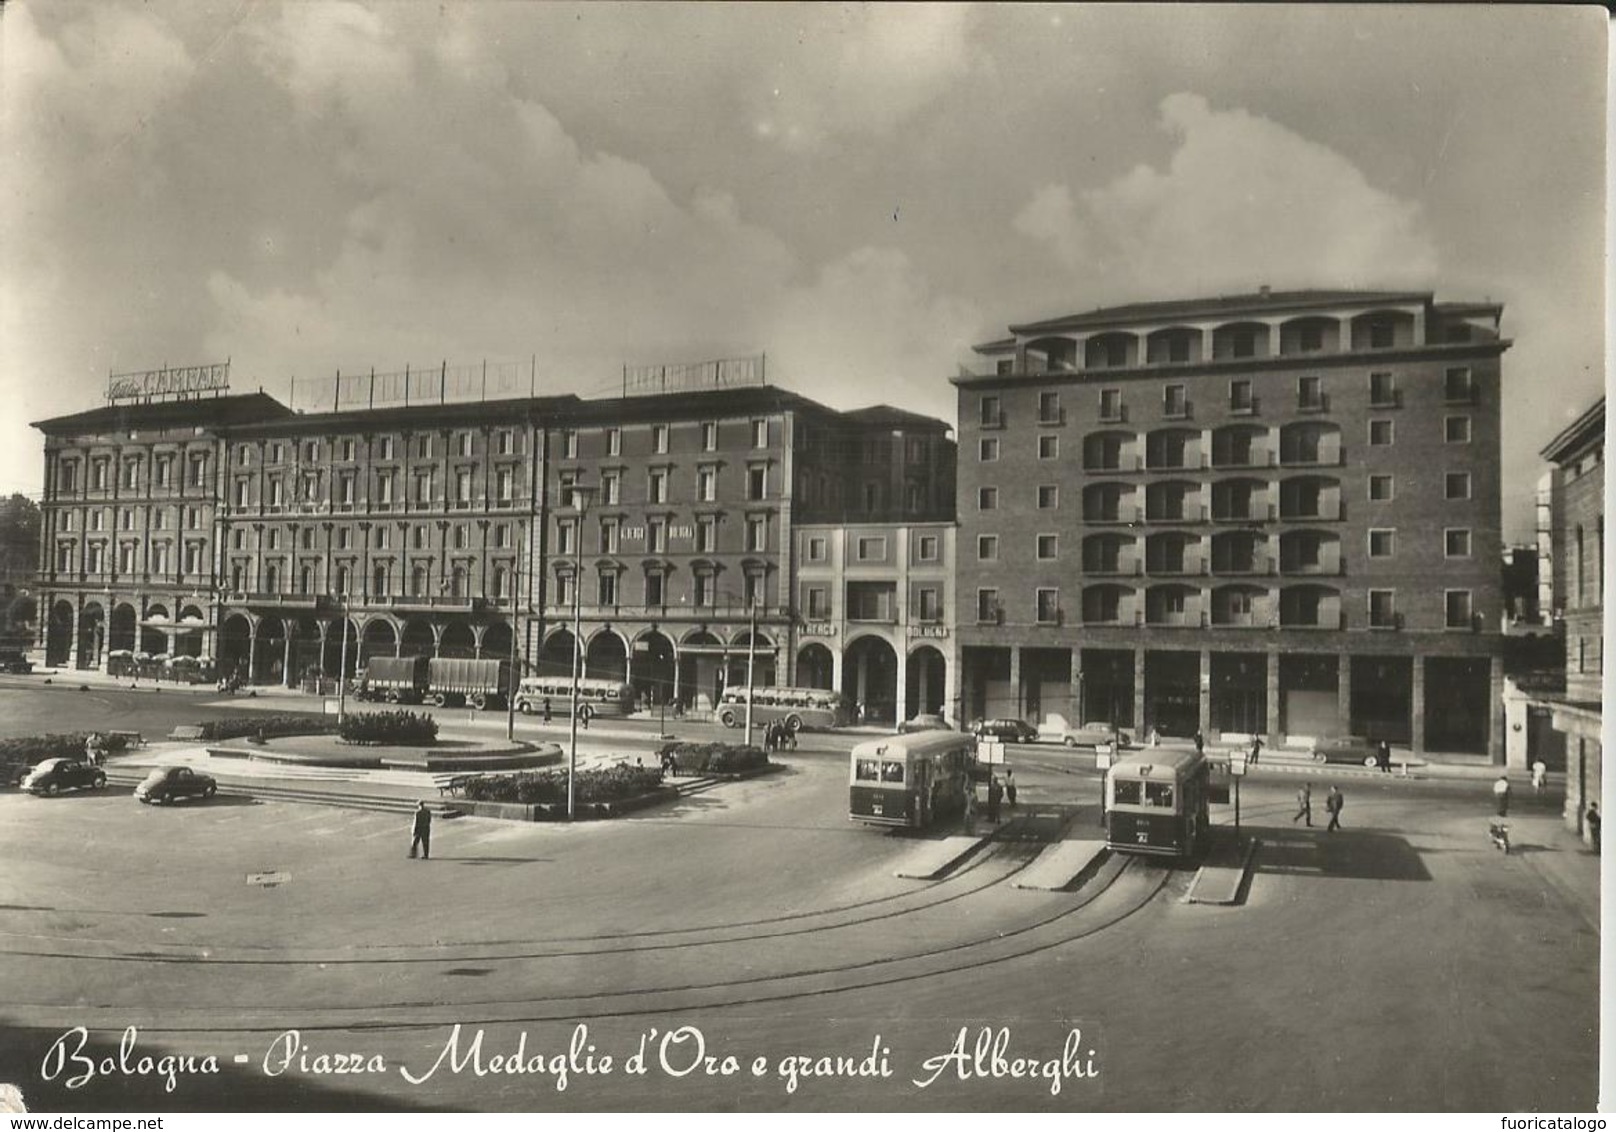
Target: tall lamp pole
{"x":751,"y":660}
{"x":516,"y":609}
{"x":342,"y":670}
{"x":580,"y":501}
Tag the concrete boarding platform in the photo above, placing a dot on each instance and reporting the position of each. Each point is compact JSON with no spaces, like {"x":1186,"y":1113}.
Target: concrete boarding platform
{"x":935,"y":858}
{"x":1060,"y":864}
{"x":1221,"y":879}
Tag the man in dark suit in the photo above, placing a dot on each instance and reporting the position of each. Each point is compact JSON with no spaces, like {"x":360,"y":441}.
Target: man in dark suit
{"x":423,"y":832}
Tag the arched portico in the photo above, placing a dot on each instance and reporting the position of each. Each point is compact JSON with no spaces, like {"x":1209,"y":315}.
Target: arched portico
{"x":816,"y":666}
{"x":606,"y":656}
{"x":926,"y":686}
{"x":870,"y":678}
{"x":655,"y":666}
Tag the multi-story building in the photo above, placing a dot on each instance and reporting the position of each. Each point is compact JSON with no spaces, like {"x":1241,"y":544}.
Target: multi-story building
{"x":1577,"y":569}
{"x":1273,"y":513}
{"x":687,"y":527}
{"x":279,"y":543}
{"x":129,"y":538}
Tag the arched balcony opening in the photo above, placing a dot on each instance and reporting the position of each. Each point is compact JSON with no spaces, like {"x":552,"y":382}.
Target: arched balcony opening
{"x":1312,"y":334}
{"x":1173,"y":345}
{"x":1111,"y":351}
{"x":1383,"y":330}
{"x":1310,"y":442}
{"x":1240,"y":340}
{"x":1052,"y":355}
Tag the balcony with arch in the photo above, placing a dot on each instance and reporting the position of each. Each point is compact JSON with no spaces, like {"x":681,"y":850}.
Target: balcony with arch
{"x":1241,"y":553}
{"x":1241,"y":340}
{"x":1111,"y":452}
{"x":1111,"y":350}
{"x":1174,"y":449}
{"x":1242,"y":607}
{"x":1311,"y":334}
{"x":1107,"y":604}
{"x":1310,"y":443}
{"x":1173,"y":345}
{"x":1052,"y":355}
{"x":1310,"y":607}
{"x":1174,"y":501}
{"x":1310,"y":552}
{"x":1241,"y":446}
{"x":1384,"y":330}
{"x":1174,"y":553}
{"x":1315,"y":498}
{"x":1111,"y":553}
{"x":1110,"y":503}
{"x":1174,"y":607}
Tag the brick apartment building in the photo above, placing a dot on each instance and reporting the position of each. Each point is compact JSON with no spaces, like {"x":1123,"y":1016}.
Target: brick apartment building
{"x":1273,"y":513}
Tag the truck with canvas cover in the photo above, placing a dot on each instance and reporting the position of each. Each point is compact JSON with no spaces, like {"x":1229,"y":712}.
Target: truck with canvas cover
{"x":482,"y":684}
{"x":394,"y":679}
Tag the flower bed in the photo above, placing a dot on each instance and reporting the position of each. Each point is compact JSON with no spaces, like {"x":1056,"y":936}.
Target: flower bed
{"x":269,"y":726}
{"x":17,"y":755}
{"x":716,"y":758}
{"x":549,"y":787}
{"x":389,"y":729}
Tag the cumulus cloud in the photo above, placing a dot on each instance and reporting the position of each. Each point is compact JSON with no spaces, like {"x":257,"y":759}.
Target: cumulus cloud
{"x":1242,"y":200}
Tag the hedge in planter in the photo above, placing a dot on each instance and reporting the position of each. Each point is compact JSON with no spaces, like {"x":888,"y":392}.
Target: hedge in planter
{"x":389,"y":728}
{"x":270,"y":726}
{"x":549,"y":787}
{"x":37,"y":748}
{"x":716,"y":758}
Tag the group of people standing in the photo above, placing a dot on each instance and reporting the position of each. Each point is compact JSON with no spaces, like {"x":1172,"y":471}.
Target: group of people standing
{"x":999,"y":791}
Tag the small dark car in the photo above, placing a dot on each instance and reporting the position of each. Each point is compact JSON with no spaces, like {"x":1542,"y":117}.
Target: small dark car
{"x":924,"y":723}
{"x":166,"y":783}
{"x":1006,"y":730}
{"x":55,"y":775}
{"x":1347,"y":749}
{"x":14,"y":662}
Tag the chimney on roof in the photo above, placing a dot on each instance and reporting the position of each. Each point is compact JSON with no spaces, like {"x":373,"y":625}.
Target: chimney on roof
{"x":1264,"y":291}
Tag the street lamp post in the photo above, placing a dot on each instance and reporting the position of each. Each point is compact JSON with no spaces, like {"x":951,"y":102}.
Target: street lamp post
{"x":751,"y":661}
{"x":342,"y":667}
{"x":516,"y":608}
{"x":580,"y":501}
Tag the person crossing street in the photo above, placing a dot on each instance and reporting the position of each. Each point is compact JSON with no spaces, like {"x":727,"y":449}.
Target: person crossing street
{"x":1304,"y":803}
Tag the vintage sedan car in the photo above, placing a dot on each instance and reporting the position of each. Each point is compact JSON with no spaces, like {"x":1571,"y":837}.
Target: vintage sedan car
{"x":924,"y":722}
{"x":1005,"y":730}
{"x":1091,"y":734}
{"x":14,"y":662}
{"x":166,"y":783}
{"x":1346,"y":749}
{"x":52,"y":776}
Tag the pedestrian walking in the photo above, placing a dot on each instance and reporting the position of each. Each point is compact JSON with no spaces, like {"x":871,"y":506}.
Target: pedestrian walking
{"x":995,"y":793}
{"x":1200,"y":742}
{"x":1383,"y":756}
{"x":1304,"y":803}
{"x":1540,"y":777}
{"x":1591,"y":818}
{"x":1010,"y":787}
{"x":970,"y":809}
{"x":1256,"y":748}
{"x":584,"y":715}
{"x":1501,"y":795}
{"x":1333,"y":801}
{"x":422,"y":831}
{"x":547,"y":709}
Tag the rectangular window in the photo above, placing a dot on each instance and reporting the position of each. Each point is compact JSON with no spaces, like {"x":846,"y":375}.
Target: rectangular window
{"x":384,"y":537}
{"x":348,"y":448}
{"x":817,"y":550}
{"x":1380,"y":432}
{"x":1456,"y":485}
{"x":1310,"y":393}
{"x":1383,"y":390}
{"x":1458,"y":387}
{"x":988,"y":449}
{"x":987,"y":605}
{"x":760,"y":434}
{"x":1048,"y":497}
{"x":1048,"y":607}
{"x":99,"y":473}
{"x":611,"y":488}
{"x":417,"y":538}
{"x":818,"y":602}
{"x":614,"y":442}
{"x":1175,"y":402}
{"x":1049,"y":409}
{"x":757,"y":533}
{"x":463,"y":487}
{"x":460,"y":536}
{"x":992,"y":416}
{"x":161,"y":467}
{"x":927,"y":548}
{"x":504,"y":485}
{"x":655,"y":591}
{"x":243,"y":456}
{"x":1048,"y":447}
{"x":1111,"y":405}
{"x":1240,"y":398}
{"x":757,"y":483}
{"x":656,"y":536}
{"x":706,"y":535}
{"x":1382,"y":543}
{"x":707,"y":485}
{"x":872,"y":548}
{"x":987,"y":548}
{"x":608,"y":588}
{"x":465,"y":444}
{"x":387,"y":448}
{"x":1048,"y":548}
{"x":564,"y":536}
{"x":505,"y":442}
{"x":704,"y":589}
{"x":1458,"y":609}
{"x":345,"y":538}
{"x":1383,"y":609}
{"x":1456,"y":542}
{"x":657,"y":487}
{"x":709,"y":437}
{"x":1456,"y":430}
{"x":659,"y":438}
{"x":423,"y":447}
{"x":608,"y":536}
{"x":1380,"y":488}
{"x":569,"y":445}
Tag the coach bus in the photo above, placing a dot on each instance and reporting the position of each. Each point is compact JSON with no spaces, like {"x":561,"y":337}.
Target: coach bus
{"x":910,"y":780}
{"x":814,"y":709}
{"x":595,"y":696}
{"x":1156,"y":803}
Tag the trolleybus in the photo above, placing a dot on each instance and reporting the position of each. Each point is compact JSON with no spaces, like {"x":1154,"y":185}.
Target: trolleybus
{"x":816,"y":709}
{"x":1156,"y":803}
{"x":595,"y":696}
{"x":910,"y":780}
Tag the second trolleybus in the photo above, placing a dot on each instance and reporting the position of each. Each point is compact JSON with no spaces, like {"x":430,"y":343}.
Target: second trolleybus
{"x":814,"y":709}
{"x":1156,"y":803}
{"x":910,"y":780}
{"x":595,"y":696}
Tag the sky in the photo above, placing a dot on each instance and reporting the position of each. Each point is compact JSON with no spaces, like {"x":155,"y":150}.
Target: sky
{"x":860,"y":192}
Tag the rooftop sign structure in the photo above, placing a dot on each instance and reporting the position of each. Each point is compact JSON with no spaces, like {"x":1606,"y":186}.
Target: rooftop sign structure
{"x":724,"y":373}
{"x":165,"y":383}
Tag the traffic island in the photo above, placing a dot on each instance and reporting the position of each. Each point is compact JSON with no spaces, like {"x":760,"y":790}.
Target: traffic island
{"x":1222,"y":879}
{"x":468,"y":756}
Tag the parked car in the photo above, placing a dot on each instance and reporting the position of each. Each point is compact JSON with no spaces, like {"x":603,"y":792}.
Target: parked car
{"x":166,"y":783}
{"x":1346,"y":749}
{"x":1093,"y":734}
{"x":14,"y":662}
{"x":1005,"y":730}
{"x":55,"y":775}
{"x":924,"y":723}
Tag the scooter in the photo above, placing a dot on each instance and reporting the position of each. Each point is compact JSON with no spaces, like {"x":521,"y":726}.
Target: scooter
{"x":1498,"y":831}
